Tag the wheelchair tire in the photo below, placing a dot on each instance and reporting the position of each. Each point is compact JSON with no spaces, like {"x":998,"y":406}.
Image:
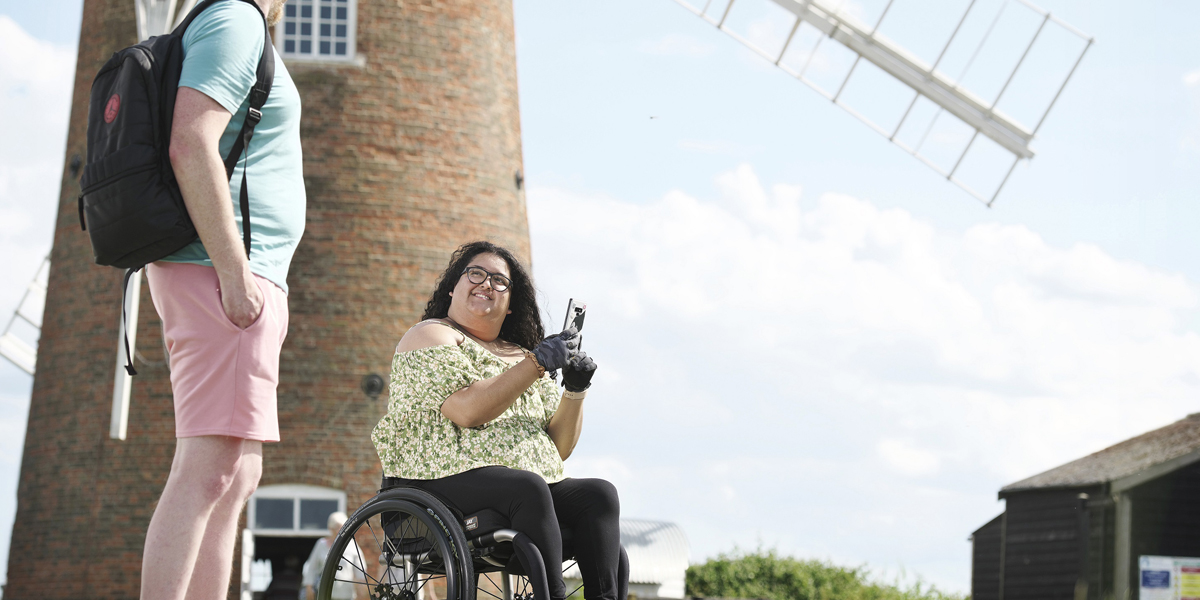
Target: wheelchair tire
{"x":422,"y":530}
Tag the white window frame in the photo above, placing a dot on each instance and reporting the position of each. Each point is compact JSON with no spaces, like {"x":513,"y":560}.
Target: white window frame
{"x":295,"y":493}
{"x":351,"y":55}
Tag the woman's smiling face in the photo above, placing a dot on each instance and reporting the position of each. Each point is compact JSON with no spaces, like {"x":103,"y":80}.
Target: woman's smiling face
{"x":482,"y":299}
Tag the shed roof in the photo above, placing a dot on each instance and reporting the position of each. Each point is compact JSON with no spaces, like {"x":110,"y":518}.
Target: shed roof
{"x":1126,"y":464}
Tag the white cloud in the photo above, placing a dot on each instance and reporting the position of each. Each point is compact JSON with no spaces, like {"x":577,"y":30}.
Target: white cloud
{"x":715,"y":147}
{"x":907,"y":459}
{"x":1189,"y":142}
{"x":849,"y":366}
{"x":35,"y":96}
{"x":36,"y":81}
{"x":677,"y":44}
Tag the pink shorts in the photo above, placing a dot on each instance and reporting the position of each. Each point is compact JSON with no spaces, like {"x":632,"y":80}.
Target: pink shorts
{"x":223,"y":377}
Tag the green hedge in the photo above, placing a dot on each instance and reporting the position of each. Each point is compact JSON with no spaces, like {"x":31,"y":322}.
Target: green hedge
{"x":764,"y":574}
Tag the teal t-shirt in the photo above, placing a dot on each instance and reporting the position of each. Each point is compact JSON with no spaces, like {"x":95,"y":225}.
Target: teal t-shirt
{"x":221,"y":50}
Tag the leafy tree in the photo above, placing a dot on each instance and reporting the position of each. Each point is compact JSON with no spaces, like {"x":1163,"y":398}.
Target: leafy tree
{"x":765,"y":574}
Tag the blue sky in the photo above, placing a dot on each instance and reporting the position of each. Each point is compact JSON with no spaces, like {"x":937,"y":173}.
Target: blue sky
{"x":807,"y":339}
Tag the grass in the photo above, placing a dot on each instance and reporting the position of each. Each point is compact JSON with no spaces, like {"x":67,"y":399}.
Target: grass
{"x":765,"y":574}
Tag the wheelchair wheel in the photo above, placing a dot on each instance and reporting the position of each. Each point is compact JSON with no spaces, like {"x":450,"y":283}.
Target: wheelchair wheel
{"x":403,"y":544}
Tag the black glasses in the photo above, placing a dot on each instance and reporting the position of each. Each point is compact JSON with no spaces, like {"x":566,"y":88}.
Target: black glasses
{"x":477,"y":275}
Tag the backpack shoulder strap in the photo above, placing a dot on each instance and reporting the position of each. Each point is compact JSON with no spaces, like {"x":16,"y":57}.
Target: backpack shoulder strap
{"x":265,"y":76}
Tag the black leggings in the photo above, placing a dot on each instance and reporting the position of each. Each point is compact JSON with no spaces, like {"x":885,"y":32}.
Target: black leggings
{"x":588,"y":507}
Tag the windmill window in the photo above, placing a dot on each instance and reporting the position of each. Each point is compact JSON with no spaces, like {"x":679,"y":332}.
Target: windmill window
{"x":274,"y":513}
{"x":293,"y":510}
{"x":319,"y":30}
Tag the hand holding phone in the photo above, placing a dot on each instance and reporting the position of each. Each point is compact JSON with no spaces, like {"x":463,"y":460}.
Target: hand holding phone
{"x":577,"y":375}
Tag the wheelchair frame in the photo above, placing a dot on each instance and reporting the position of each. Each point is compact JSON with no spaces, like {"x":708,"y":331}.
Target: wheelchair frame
{"x":434,"y":544}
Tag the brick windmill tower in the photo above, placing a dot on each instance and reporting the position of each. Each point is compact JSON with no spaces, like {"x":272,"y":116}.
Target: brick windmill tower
{"x":412,"y":146}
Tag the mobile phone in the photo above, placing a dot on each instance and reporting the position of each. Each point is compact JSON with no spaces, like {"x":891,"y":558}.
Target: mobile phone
{"x":576,"y":311}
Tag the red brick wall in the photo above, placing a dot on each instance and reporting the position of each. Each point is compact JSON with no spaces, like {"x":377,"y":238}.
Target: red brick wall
{"x":406,"y":157}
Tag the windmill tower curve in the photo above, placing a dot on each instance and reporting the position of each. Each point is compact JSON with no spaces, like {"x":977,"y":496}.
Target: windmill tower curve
{"x":409,"y":150}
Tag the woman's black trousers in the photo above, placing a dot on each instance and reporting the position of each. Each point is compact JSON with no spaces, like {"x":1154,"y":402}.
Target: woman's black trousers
{"x":588,"y":507}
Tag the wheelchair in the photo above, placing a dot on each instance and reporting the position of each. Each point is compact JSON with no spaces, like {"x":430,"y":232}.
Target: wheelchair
{"x":411,"y":545}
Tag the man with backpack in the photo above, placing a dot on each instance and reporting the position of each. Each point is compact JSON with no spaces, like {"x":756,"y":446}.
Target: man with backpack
{"x":224,"y":313}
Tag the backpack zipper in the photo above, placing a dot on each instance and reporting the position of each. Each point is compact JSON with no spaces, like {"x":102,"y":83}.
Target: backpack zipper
{"x":103,"y":182}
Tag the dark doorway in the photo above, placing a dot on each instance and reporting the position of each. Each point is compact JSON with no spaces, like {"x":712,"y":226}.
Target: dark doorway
{"x":287,"y":556}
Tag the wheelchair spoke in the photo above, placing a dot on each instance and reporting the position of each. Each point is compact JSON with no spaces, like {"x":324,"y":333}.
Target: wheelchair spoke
{"x":523,"y":590}
{"x":498,"y":586}
{"x":577,"y":589}
{"x":354,"y":567}
{"x":362,"y":561}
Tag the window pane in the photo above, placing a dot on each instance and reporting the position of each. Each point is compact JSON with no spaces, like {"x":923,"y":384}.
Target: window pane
{"x":290,"y":10}
{"x":341,"y":48}
{"x":306,"y":12}
{"x":324,"y":47}
{"x":326,"y":30}
{"x":314,"y":514}
{"x":306,"y":29}
{"x":341,"y":31}
{"x":341,"y":13}
{"x":289,"y":28}
{"x":326,"y":12}
{"x":305,"y":47}
{"x":289,"y":46}
{"x":273,"y":513}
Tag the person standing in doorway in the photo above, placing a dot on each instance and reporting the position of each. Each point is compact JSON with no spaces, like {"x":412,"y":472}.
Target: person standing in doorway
{"x":352,"y":563}
{"x":224,"y":314}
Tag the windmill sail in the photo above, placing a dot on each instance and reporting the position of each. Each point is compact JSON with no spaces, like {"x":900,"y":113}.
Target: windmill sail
{"x":927,"y":84}
{"x":18,"y":343}
{"x":156,"y":17}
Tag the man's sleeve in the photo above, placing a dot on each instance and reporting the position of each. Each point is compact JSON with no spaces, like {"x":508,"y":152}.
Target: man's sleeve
{"x":222,"y":48}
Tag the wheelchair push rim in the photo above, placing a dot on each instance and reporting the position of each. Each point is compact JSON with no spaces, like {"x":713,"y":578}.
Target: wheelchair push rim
{"x":407,"y":548}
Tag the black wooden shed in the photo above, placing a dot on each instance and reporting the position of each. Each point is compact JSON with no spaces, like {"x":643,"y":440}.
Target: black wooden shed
{"x":1076,"y":531}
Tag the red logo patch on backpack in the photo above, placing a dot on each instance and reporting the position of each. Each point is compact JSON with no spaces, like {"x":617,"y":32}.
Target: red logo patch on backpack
{"x":110,"y":111}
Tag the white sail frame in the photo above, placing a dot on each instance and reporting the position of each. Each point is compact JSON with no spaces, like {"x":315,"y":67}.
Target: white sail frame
{"x":925,"y":80}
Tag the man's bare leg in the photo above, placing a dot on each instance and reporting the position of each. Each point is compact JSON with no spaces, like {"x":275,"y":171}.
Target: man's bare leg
{"x":209,"y":476}
{"x":210,"y":579}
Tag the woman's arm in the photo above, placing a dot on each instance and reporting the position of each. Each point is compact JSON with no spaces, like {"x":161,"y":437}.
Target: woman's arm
{"x":566,"y":425}
{"x":487,"y":399}
{"x":483,"y":400}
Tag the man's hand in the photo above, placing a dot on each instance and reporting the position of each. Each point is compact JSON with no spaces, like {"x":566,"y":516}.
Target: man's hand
{"x":242,"y":300}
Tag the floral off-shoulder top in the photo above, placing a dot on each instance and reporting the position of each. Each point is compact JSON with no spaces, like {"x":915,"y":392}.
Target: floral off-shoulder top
{"x":416,"y":441}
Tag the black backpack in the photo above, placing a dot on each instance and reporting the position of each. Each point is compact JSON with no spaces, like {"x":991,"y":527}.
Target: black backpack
{"x":130,"y":203}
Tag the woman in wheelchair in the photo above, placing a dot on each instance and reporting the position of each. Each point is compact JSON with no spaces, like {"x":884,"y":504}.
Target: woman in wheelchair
{"x":476,"y":419}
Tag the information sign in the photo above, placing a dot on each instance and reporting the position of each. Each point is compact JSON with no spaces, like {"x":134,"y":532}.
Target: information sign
{"x":1169,"y":578}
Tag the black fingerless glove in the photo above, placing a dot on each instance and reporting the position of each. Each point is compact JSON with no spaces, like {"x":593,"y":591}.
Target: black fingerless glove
{"x":556,"y":351}
{"x":577,"y":377}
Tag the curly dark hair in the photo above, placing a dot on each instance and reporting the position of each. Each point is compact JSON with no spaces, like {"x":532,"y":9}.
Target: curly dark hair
{"x":524,"y":326}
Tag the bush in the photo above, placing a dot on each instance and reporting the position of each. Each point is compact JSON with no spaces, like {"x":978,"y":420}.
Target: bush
{"x":764,"y":574}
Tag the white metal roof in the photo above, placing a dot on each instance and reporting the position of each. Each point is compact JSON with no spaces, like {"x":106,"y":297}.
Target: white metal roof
{"x":658,"y":552}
